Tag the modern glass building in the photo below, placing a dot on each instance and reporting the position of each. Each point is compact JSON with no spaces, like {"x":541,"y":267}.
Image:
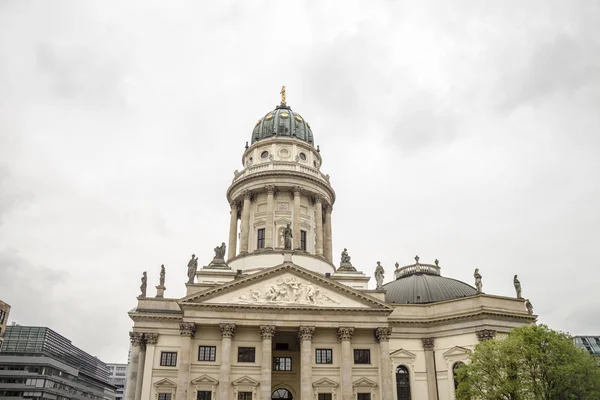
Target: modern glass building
{"x":118,"y":377}
{"x":38,"y":363}
{"x":590,"y":343}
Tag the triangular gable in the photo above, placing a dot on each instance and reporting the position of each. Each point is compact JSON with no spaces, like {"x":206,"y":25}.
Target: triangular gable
{"x":325,"y":382}
{"x":364,"y":382}
{"x":403,"y":354}
{"x":245,"y":381}
{"x":165,"y":383}
{"x":456,"y":351}
{"x":285,"y":285}
{"x":205,"y":380}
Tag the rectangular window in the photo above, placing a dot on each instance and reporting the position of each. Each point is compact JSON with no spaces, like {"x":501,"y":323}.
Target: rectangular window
{"x":207,"y":353}
{"x":164,"y":396}
{"x":260,"y":243}
{"x":204,"y":395}
{"x":363,"y":396}
{"x":303,"y":240}
{"x":282,"y":364}
{"x":324,"y":396}
{"x":245,"y":354}
{"x":244,"y":395}
{"x":168,"y":358}
{"x":362,"y":356}
{"x":324,"y":356}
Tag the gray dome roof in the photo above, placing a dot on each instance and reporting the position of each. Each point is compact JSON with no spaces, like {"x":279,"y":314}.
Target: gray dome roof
{"x":282,"y":121}
{"x":422,"y":283}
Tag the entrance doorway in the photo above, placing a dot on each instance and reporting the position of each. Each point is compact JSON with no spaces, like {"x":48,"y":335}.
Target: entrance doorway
{"x":282,"y":394}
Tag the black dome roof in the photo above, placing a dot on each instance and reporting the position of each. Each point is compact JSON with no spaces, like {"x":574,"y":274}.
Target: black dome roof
{"x":422,"y":283}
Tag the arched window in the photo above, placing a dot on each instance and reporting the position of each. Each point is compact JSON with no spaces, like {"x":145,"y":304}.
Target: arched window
{"x":456,"y":366}
{"x":402,"y":383}
{"x":282,"y":394}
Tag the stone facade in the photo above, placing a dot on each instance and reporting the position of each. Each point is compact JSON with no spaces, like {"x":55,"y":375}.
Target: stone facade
{"x":277,"y":323}
{"x":4,"y":312}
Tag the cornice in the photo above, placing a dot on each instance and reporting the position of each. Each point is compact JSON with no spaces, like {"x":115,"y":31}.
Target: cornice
{"x":297,"y":309}
{"x":464,"y":317}
{"x":280,"y":270}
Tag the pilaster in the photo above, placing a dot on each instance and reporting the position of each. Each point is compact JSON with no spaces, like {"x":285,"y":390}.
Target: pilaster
{"x":428,"y":346}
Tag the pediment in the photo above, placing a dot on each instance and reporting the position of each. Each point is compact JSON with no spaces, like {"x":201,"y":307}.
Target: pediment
{"x":456,"y":351}
{"x":364,"y":382}
{"x":286,"y":285}
{"x":245,"y":381}
{"x":325,"y":382}
{"x":205,"y":380}
{"x":403,"y":354}
{"x":165,"y":383}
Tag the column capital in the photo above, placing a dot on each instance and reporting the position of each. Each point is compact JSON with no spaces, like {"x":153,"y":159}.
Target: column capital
{"x":296,"y":190}
{"x":270,"y":189}
{"x":267,"y":331}
{"x":328,"y":209}
{"x":485,"y":334}
{"x":227,"y":330}
{"x":136,"y":338}
{"x":383,"y":334}
{"x":233,"y":204}
{"x":151,"y":338}
{"x":319,"y":199}
{"x":428,"y":343}
{"x":187,"y":329}
{"x":345,"y":333}
{"x":247,"y":194}
{"x":306,"y":332}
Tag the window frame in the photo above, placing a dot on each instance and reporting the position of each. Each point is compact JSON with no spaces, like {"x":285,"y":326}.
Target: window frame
{"x":404,"y":386}
{"x":303,"y":237}
{"x":165,"y":396}
{"x":363,"y":396}
{"x":244,"y":396}
{"x":260,"y":238}
{"x":204,"y":391}
{"x":276,"y":361}
{"x":242,"y":350}
{"x":358,"y":353}
{"x":167,"y":357}
{"x":208,"y":350}
{"x":326,"y":351}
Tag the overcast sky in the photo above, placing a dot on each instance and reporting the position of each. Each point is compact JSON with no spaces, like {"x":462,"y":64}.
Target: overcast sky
{"x":465,"y":132}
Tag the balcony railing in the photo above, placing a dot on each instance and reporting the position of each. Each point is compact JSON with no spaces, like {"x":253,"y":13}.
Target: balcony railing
{"x":280,"y":166}
{"x":428,"y":269}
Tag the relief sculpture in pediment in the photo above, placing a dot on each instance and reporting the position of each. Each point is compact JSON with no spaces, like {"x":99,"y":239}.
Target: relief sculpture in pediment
{"x":289,"y":291}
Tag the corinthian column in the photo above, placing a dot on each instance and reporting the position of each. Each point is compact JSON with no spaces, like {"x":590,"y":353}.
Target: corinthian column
{"x":345,"y":335}
{"x":387,"y":387}
{"x":233,"y":222}
{"x":305,"y":333}
{"x":319,"y":207}
{"x":428,"y":346}
{"x":227,"y":332}
{"x":328,"y":239}
{"x":151,"y":341}
{"x":136,"y":339}
{"x":187,"y":331}
{"x":266,"y":333}
{"x":297,"y":191}
{"x":140,"y":371}
{"x":245,"y":223}
{"x":269,"y":227}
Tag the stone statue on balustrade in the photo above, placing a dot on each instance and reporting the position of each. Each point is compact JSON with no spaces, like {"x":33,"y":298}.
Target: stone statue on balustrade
{"x":192,"y":268}
{"x":478,"y":283}
{"x":529,"y":307}
{"x":220,"y":251}
{"x":144,"y":284}
{"x":287,"y":237}
{"x":160,"y":289}
{"x":379,"y":275}
{"x":517,"y":284}
{"x":345,"y":263}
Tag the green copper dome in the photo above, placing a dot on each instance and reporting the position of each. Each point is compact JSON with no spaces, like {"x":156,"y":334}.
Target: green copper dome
{"x":282,"y":121}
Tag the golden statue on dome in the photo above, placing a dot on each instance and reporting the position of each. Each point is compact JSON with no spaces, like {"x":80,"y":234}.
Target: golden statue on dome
{"x":283,"y":103}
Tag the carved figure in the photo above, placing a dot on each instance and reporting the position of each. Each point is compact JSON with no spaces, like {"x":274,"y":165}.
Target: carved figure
{"x":379,"y":271}
{"x":311,"y":294}
{"x":345,"y":257}
{"x":192,"y":268}
{"x":287,"y":237}
{"x":162,"y":276}
{"x":220,"y":251}
{"x":144,"y":284}
{"x":529,"y":307}
{"x":478,"y":283}
{"x":517,"y":287}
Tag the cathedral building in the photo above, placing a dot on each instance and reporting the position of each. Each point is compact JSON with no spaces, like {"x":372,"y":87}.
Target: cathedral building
{"x":274,"y":316}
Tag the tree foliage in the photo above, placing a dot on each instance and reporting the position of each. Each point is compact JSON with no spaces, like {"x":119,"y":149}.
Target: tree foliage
{"x":532,"y":363}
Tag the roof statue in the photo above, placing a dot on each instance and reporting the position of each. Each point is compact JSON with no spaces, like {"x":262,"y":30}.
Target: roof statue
{"x":192,"y":268}
{"x":529,"y":307}
{"x":283,"y":103}
{"x":517,"y":284}
{"x":379,"y":271}
{"x":478,"y":283}
{"x":144,"y":284}
{"x":345,"y":264}
{"x":287,"y":237}
{"x":220,"y":251}
{"x":160,"y":289}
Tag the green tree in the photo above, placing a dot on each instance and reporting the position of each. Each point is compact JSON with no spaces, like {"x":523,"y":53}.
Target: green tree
{"x":532,"y":363}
